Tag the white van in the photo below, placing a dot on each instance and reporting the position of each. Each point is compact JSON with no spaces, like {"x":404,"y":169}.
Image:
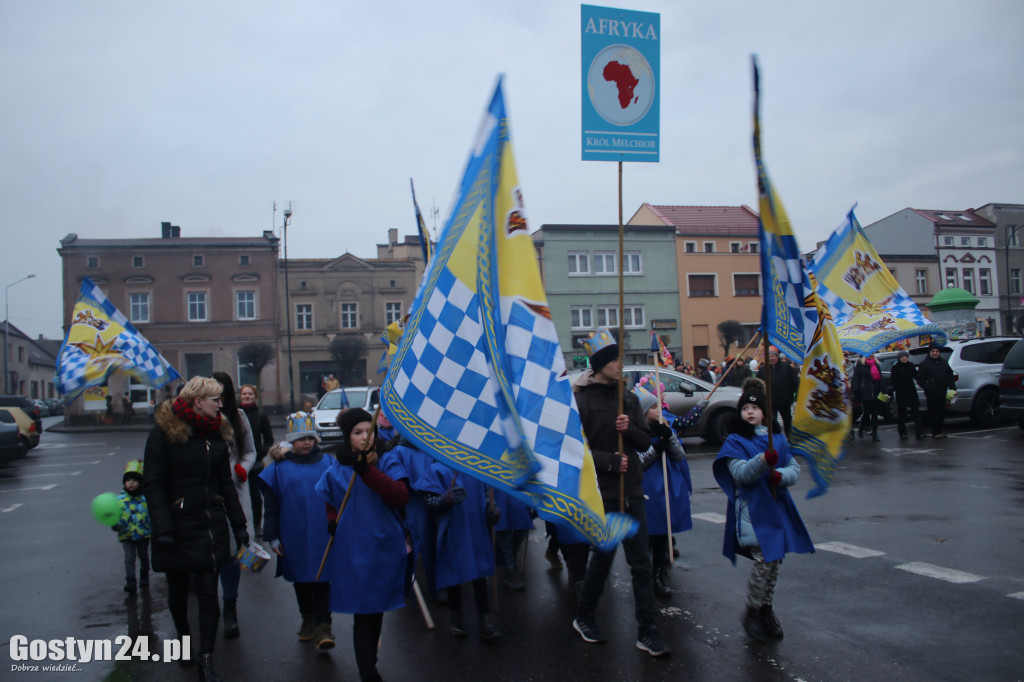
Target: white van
{"x":325,"y":414}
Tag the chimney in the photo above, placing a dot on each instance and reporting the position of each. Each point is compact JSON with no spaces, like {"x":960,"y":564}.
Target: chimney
{"x":165,"y":230}
{"x":175,"y":231}
{"x":392,"y":236}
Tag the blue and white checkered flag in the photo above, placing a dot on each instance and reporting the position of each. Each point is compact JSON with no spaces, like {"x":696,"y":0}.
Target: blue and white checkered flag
{"x":478,"y":381}
{"x":101,"y":341}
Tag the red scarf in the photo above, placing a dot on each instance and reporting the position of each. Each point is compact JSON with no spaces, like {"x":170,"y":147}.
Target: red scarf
{"x":202,"y":426}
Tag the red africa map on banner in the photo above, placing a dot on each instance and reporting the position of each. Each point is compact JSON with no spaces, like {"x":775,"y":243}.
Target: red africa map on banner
{"x":623,"y":77}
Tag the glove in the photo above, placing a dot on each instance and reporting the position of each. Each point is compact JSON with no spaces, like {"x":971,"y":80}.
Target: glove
{"x":453,"y":496}
{"x":164,"y":541}
{"x":493,"y":514}
{"x":775,"y":478}
{"x":241,"y":472}
{"x":659,"y":430}
{"x":332,"y":526}
{"x":241,"y":538}
{"x":360,"y":466}
{"x":771,"y":458}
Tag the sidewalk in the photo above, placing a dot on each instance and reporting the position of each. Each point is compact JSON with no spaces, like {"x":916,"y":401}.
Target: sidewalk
{"x":138,"y":425}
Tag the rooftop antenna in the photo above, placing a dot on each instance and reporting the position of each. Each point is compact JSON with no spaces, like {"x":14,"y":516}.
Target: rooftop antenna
{"x":435,"y":213}
{"x":273,"y":219}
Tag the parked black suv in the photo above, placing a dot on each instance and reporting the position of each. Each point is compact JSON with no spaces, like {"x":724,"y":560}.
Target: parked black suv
{"x":31,"y":409}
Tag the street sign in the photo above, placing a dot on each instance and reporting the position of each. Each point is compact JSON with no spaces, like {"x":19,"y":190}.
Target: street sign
{"x":621,"y":67}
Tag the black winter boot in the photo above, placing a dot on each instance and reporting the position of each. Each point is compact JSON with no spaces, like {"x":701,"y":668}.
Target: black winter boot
{"x":206,"y":671}
{"x":661,"y":587}
{"x":488,"y":630}
{"x":874,"y":435}
{"x":771,"y":624}
{"x":144,"y":580}
{"x":753,"y":625}
{"x":129,"y":585}
{"x":231,"y":619}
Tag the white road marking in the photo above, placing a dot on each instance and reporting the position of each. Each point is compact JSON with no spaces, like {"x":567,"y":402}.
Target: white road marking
{"x":11,"y":508}
{"x":25,"y":490}
{"x":849,"y":550}
{"x":711,"y":517}
{"x":64,"y":446}
{"x":933,"y":571}
{"x":1017,"y":595}
{"x":59,"y":473}
{"x":62,"y":464}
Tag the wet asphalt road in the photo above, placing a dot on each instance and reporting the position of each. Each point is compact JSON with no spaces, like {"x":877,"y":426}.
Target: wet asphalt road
{"x":919,"y":575}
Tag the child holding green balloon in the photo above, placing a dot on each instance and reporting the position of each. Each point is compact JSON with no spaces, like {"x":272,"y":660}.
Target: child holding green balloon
{"x":133,"y":527}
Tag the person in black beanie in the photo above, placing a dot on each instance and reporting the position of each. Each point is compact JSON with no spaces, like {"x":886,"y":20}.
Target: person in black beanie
{"x":903,"y":376}
{"x":935,"y":377}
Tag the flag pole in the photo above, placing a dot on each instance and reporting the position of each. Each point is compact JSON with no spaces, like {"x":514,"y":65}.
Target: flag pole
{"x":770,"y":417}
{"x":622,"y":341}
{"x":664,"y":458}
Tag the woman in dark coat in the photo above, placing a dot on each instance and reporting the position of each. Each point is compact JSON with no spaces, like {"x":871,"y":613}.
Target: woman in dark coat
{"x":192,"y":500}
{"x":263,"y":438}
{"x":867,"y":383}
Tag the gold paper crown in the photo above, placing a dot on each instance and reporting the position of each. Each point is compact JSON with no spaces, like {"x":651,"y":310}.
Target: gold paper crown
{"x":134,"y":467}
{"x":300,"y":423}
{"x":641,"y":393}
{"x":602,"y":338}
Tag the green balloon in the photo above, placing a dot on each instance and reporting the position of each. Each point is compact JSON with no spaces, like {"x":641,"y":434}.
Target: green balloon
{"x":106,"y":508}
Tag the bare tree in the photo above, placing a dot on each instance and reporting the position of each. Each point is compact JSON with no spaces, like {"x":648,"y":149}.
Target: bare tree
{"x":256,"y":356}
{"x":347,"y":352}
{"x":730,"y":332}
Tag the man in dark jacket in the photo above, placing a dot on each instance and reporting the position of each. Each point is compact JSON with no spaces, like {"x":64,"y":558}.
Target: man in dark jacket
{"x":903,"y":378}
{"x":935,"y":377}
{"x":784,"y":382}
{"x":597,"y":397}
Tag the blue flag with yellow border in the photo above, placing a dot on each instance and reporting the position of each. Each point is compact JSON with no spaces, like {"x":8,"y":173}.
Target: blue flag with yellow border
{"x":478,"y":380}
{"x":101,"y":341}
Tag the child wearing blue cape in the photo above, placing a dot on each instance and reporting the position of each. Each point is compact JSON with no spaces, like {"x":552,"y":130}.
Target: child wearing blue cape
{"x":664,"y":443}
{"x":368,"y":564}
{"x":292,"y":524}
{"x":512,"y":529}
{"x":762,"y":523}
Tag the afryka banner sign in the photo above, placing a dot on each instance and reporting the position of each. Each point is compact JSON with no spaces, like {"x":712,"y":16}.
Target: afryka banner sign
{"x":621,"y":67}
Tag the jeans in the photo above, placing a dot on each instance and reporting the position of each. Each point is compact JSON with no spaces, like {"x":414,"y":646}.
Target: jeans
{"x":133,"y":548}
{"x":230,"y":576}
{"x":205,"y":583}
{"x":902,"y":407}
{"x":936,"y":410}
{"x":638,"y":556}
{"x":509,"y":543}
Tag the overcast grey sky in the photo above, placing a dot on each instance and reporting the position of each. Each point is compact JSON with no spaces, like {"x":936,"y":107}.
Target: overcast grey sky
{"x":118,"y":115}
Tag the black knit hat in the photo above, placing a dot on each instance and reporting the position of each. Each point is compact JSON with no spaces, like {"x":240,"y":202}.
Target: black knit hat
{"x":352,"y":417}
{"x":753,"y":393}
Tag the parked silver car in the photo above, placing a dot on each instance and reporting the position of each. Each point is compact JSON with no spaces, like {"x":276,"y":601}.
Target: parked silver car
{"x":1011,"y":385}
{"x":682,"y":392}
{"x":325,"y":414}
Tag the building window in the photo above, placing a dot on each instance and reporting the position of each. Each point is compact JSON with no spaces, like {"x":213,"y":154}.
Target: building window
{"x":348,"y":317}
{"x":753,"y":247}
{"x":198,"y":365}
{"x":892,"y":271}
{"x":243,"y":259}
{"x":245,"y":305}
{"x":690,"y":247}
{"x":197,"y":308}
{"x":579,"y":264}
{"x":198,"y":260}
{"x":982,"y":241}
{"x":969,"y":280}
{"x":734,"y":247}
{"x":633,"y":316}
{"x":92,"y":262}
{"x":632,"y":263}
{"x":607,"y":316}
{"x":985,"y":281}
{"x":304,"y":316}
{"x":138,"y":262}
{"x":1013,"y":233}
{"x":965,"y":241}
{"x":951,"y":278}
{"x":701,"y":285}
{"x":581,"y":317}
{"x":921,"y":277}
{"x":604,"y":264}
{"x":746,"y":285}
{"x":392,"y":312}
{"x":1014,"y":280}
{"x":947,"y":241}
{"x":709,"y":247}
{"x":138,"y":308}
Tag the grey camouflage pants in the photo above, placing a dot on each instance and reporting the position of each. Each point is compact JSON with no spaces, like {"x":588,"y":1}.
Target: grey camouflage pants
{"x":763,"y":577}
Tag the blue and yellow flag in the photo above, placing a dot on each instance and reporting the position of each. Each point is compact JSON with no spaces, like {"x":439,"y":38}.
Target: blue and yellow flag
{"x":101,"y":341}
{"x":421,"y":228}
{"x":870,"y":308}
{"x":799,"y":324}
{"x":478,"y":381}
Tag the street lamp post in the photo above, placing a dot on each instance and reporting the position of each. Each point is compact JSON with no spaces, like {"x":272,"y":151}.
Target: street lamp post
{"x":1011,"y":232}
{"x":288,"y":311}
{"x":7,"y":330}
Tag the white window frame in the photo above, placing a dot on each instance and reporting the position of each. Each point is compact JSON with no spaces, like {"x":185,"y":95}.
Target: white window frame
{"x":706,"y":245}
{"x":630,"y":313}
{"x":348,"y":312}
{"x":244,"y":260}
{"x":754,"y":247}
{"x":392,"y":312}
{"x":627,"y":263}
{"x":968,"y":280}
{"x":951,"y":278}
{"x":982,"y":241}
{"x":921,"y":278}
{"x":136,"y":307}
{"x":1015,"y":280}
{"x":92,"y":262}
{"x":304,"y":321}
{"x":735,"y":289}
{"x":581,"y":317}
{"x":735,"y":247}
{"x":984,"y":281}
{"x":201,"y":303}
{"x":581,"y":260}
{"x":965,"y":241}
{"x":610,"y":313}
{"x":198,"y":260}
{"x":948,"y":241}
{"x":609,"y":263}
{"x":141,"y":263}
{"x":1013,"y":235}
{"x":239,"y":303}
{"x":714,"y":280}
{"x":689,"y":247}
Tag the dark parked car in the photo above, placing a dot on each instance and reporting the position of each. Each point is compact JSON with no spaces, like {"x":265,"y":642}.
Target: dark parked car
{"x":30,"y":408}
{"x":11,"y":445}
{"x":1011,"y":385}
